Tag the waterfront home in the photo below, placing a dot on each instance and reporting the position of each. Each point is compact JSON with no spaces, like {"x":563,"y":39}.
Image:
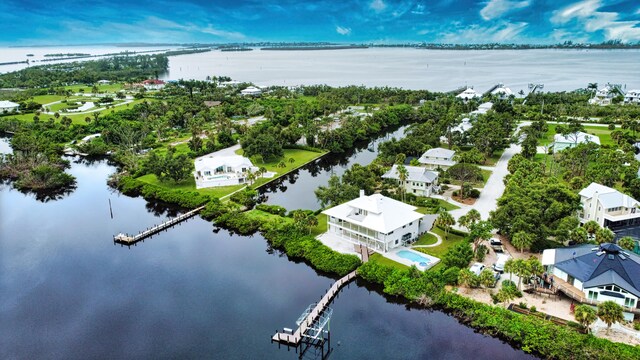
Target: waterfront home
{"x":561,"y":142}
{"x":153,"y":84}
{"x":632,"y":97}
{"x":222,"y":169}
{"x":482,"y":109}
{"x":376,"y":221}
{"x":8,"y":106}
{"x":604,"y":95}
{"x":468,"y":94}
{"x":608,"y":207}
{"x":500,"y":91}
{"x":104,"y":82}
{"x":437,"y":158}
{"x":592,"y":274}
{"x":251,"y":91}
{"x":419,"y":181}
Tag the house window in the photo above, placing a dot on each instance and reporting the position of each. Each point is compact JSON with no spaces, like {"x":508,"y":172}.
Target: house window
{"x":628,"y":302}
{"x":608,"y":287}
{"x":207,"y":173}
{"x":616,"y":289}
{"x":397,"y":241}
{"x":593,"y":295}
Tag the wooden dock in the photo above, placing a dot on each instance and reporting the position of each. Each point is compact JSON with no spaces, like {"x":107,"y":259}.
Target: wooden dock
{"x":126,"y":239}
{"x":295,"y":338}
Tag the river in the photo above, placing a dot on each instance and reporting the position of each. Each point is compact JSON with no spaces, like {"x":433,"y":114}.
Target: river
{"x":191,"y":292}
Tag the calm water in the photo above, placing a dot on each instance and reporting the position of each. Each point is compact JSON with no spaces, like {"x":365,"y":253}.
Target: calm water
{"x":438,"y":70}
{"x":295,"y":191}
{"x":69,"y":292}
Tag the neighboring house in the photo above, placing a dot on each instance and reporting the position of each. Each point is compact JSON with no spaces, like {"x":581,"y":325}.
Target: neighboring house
{"x":604,"y":95}
{"x":222,"y":170}
{"x":608,"y":207}
{"x":232,"y":83}
{"x":420,"y":181}
{"x":458,"y":130}
{"x":438,"y":158}
{"x":8,"y":106}
{"x":251,"y":91}
{"x":153,"y":84}
{"x":468,"y":94}
{"x":376,"y":221}
{"x":593,"y":274}
{"x":104,"y":82}
{"x":482,"y":109}
{"x":632,"y":97}
{"x":501,"y":92}
{"x":561,"y":142}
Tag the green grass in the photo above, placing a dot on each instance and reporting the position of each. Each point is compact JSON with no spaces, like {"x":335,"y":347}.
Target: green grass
{"x":300,"y":157}
{"x":440,"y":250}
{"x":190,"y":185}
{"x":263,"y":216}
{"x":426,"y":239}
{"x":476,"y":184}
{"x":441,"y":204}
{"x":600,"y":131}
{"x":384,"y":261}
{"x":322,"y":225}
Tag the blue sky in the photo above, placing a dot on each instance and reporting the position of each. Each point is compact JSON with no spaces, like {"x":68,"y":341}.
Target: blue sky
{"x":33,"y":22}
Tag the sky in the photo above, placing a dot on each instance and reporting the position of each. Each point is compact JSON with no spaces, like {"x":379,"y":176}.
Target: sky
{"x":38,"y":22}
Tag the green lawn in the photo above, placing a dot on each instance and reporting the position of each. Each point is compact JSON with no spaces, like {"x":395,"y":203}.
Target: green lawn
{"x":263,"y":216}
{"x":190,"y":185}
{"x":440,"y":250}
{"x":322,"y":225}
{"x":602,"y":132}
{"x":426,"y":239}
{"x":384,"y":261}
{"x":441,"y":203}
{"x":300,"y":158}
{"x":476,"y":184}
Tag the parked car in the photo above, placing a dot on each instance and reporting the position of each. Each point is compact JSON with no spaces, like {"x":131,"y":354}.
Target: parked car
{"x":499,"y":265}
{"x":496,"y":245}
{"x":477,"y":268}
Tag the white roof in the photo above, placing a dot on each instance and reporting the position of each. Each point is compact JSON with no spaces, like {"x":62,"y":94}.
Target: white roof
{"x":215,"y":161}
{"x":251,"y":90}
{"x":463,"y":126}
{"x":469,"y":93}
{"x":383,"y":214}
{"x":439,"y":153}
{"x":577,"y":137}
{"x":502,"y":90}
{"x":632,"y":93}
{"x":415,"y":173}
{"x":8,"y":104}
{"x":608,"y":197}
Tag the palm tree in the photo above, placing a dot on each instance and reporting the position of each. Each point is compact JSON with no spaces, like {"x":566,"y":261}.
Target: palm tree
{"x":522,"y":240}
{"x":604,"y":235}
{"x":610,"y":313}
{"x":487,"y":278}
{"x":591,"y":227}
{"x":585,"y":315}
{"x":509,"y":267}
{"x":464,"y":221}
{"x":445,"y":220}
{"x":465,"y":277}
{"x":627,"y":242}
{"x":403,"y":174}
{"x":292,"y":160}
{"x":534,"y":266}
{"x":474,"y":216}
{"x":579,"y":235}
{"x":521,"y":268}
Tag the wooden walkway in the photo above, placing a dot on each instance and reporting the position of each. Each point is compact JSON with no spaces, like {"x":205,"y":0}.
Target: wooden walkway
{"x":127,"y":239}
{"x":295,"y":338}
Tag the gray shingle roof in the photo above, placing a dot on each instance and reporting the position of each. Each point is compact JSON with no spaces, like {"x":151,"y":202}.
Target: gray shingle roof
{"x":415,"y":173}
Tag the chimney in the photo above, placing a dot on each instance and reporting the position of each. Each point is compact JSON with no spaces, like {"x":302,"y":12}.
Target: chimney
{"x":361,"y":193}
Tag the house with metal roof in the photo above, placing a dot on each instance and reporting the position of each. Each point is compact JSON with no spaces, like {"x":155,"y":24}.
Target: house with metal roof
{"x":593,"y":274}
{"x":419,"y":181}
{"x":438,"y":158}
{"x":632,"y":97}
{"x":8,"y":106}
{"x":468,"y":94}
{"x":376,"y":221}
{"x":561,"y":142}
{"x":608,"y":207}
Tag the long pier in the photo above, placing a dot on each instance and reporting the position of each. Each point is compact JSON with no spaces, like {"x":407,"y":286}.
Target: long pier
{"x":127,"y":239}
{"x":313,"y":315}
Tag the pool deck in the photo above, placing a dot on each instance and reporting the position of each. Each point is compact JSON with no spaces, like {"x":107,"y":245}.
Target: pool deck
{"x":393,"y":255}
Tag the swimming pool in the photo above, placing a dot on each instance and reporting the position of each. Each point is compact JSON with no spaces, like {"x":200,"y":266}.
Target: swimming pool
{"x":415,"y":257}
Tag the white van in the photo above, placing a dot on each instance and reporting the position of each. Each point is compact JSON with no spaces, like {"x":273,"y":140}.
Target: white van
{"x":499,"y":265}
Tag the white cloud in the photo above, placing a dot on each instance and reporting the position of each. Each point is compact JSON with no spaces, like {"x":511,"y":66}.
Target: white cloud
{"x":496,"y":8}
{"x":586,"y":14}
{"x":343,"y":30}
{"x":378,"y":5}
{"x":504,"y":32}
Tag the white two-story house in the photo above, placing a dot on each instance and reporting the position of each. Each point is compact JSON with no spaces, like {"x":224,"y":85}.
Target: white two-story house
{"x":419,"y":181}
{"x":375,"y":221}
{"x":593,"y":274}
{"x":632,"y":97}
{"x":608,"y":207}
{"x":222,"y":170}
{"x":561,"y":142}
{"x":438,"y":158}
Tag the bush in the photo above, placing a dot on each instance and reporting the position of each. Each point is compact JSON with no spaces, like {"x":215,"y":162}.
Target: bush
{"x":523,"y":305}
{"x":533,"y":309}
{"x":450,"y":275}
{"x":458,"y":255}
{"x":272,"y":209}
{"x":474,"y":193}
